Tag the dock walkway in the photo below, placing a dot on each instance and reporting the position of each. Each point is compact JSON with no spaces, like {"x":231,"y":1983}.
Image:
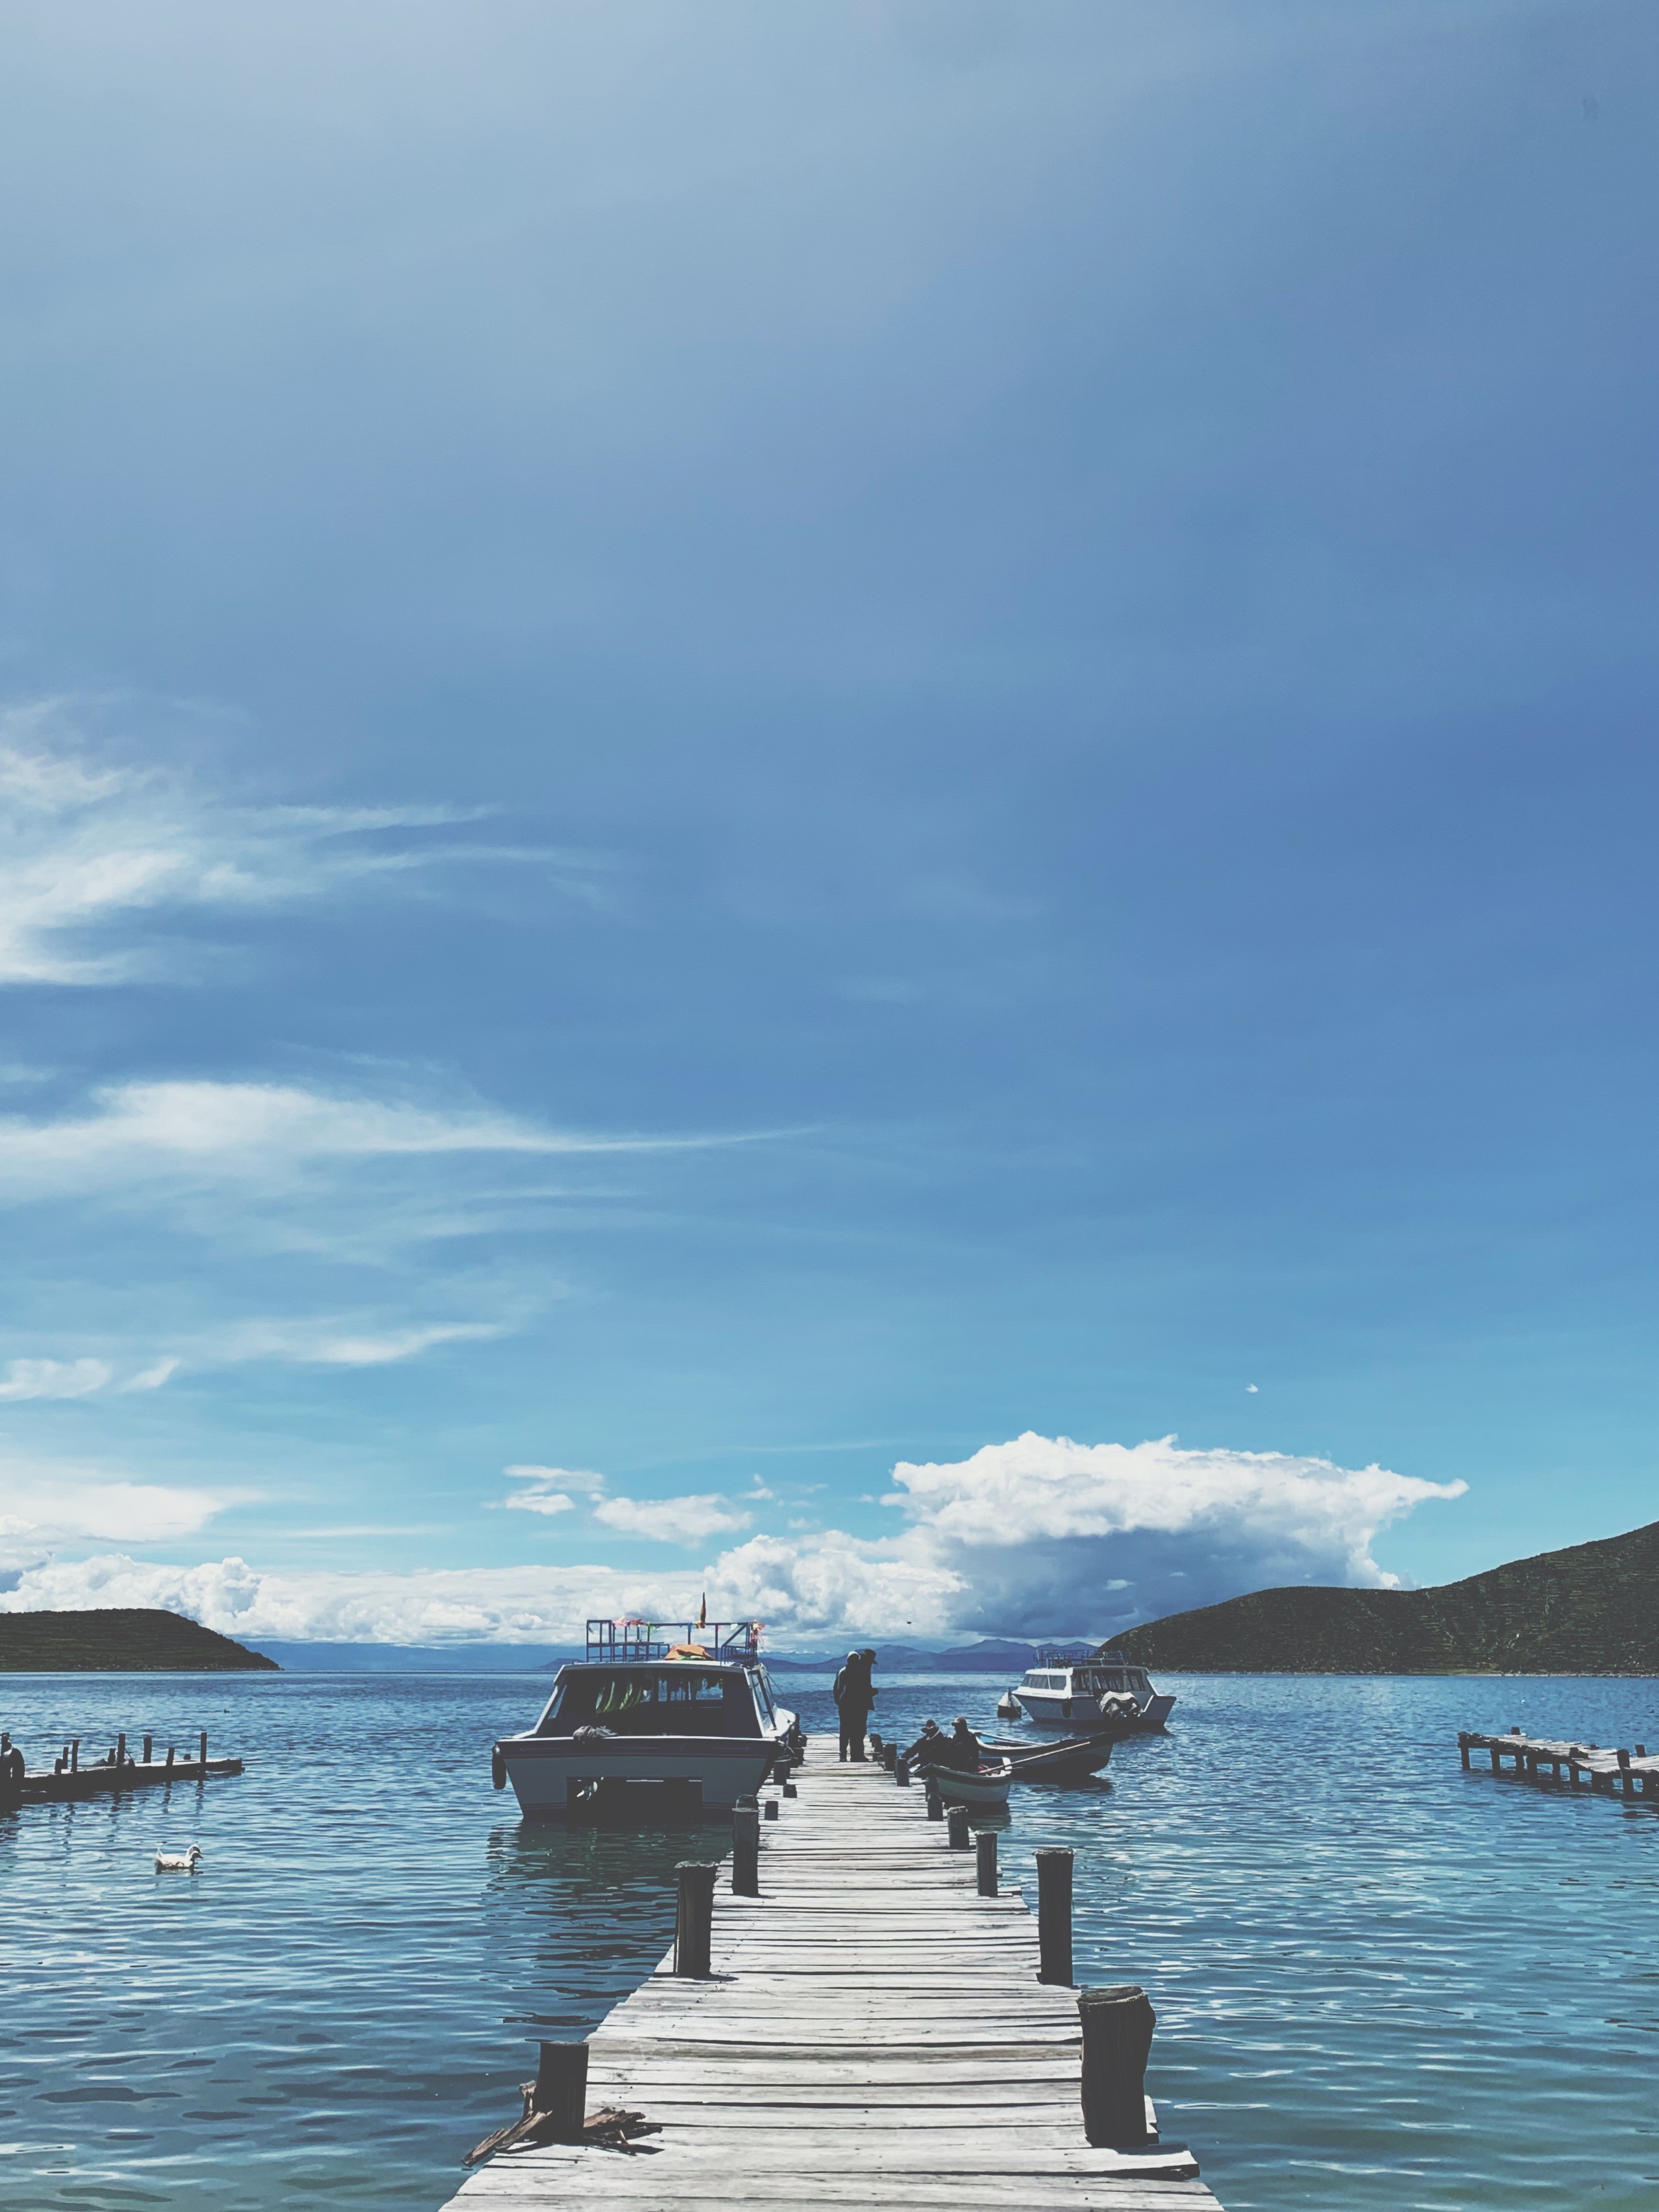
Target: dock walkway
{"x":872,"y":2033}
{"x":1610,"y":1769}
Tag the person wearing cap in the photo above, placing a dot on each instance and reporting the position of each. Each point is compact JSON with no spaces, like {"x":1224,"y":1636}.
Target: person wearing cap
{"x":854,"y":1694}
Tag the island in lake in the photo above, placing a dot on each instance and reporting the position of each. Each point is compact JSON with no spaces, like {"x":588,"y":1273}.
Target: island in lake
{"x":119,"y":1640}
{"x":1591,"y":1609}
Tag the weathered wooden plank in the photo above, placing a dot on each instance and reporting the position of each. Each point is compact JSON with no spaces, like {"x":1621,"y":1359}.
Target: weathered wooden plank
{"x":872,"y":2034}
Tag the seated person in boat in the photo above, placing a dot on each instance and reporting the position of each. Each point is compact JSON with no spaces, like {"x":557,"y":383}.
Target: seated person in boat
{"x":962,"y":1748}
{"x":928,"y":1749}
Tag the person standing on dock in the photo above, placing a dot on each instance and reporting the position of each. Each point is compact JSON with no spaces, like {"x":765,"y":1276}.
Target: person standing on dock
{"x":854,"y":1694}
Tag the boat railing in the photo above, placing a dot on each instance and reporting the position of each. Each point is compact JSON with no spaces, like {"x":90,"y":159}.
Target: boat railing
{"x":1065,"y":1655}
{"x":637,"y":1639}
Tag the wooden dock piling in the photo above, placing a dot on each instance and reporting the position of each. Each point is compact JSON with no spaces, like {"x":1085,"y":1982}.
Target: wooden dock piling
{"x":985,"y":1855}
{"x":1117,"y":2037}
{"x":745,"y":1848}
{"x":871,"y":2036}
{"x":694,"y":1915}
{"x":1054,"y":1916}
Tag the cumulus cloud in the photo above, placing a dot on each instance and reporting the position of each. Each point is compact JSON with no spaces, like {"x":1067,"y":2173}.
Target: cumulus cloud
{"x":1037,"y":1529}
{"x":690,"y":1520}
{"x":90,"y":852}
{"x":685,"y":1520}
{"x":1039,"y":1535}
{"x":507,"y":1605}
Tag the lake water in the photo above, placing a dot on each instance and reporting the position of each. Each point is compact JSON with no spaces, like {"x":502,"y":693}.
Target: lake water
{"x":1381,"y":1982}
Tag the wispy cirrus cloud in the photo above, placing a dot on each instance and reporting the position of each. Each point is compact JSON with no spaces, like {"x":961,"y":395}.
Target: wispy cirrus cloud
{"x":96,"y":859}
{"x":53,"y":1378}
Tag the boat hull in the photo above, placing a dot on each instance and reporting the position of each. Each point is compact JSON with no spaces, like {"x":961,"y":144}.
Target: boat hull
{"x":551,"y":1774}
{"x":1073,"y":1761}
{"x":1050,"y":1709}
{"x":962,"y":1788}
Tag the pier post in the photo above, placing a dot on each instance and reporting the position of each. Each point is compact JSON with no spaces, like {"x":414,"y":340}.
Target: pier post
{"x":694,"y":1918}
{"x":1054,"y":1916}
{"x":148,"y":1740}
{"x":560,"y":2094}
{"x":889,"y":1756}
{"x":169,"y":1754}
{"x":902,"y":1771}
{"x":1463,"y":1749}
{"x":771,"y":1808}
{"x":74,"y":1754}
{"x":745,"y":1848}
{"x":1117,"y":2037}
{"x":958,"y":1822}
{"x":1626,"y":1779}
{"x":985,"y":1855}
{"x":935,"y":1803}
{"x":204,"y":1746}
{"x":121,"y":1749}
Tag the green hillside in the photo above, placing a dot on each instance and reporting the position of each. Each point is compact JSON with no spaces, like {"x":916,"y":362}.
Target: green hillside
{"x":1593,"y":1609}
{"x":122,"y":1640}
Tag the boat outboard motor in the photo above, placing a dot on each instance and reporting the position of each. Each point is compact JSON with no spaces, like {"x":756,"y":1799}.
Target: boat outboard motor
{"x":1116,"y":1709}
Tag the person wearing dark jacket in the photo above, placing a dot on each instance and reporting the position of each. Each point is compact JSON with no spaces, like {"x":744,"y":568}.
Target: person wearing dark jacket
{"x":854,"y":1694}
{"x":962,"y":1749}
{"x":928,"y":1749}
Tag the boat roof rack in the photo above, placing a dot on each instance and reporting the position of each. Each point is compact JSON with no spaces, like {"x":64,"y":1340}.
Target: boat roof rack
{"x":1064,"y":1654}
{"x":638,"y":1639}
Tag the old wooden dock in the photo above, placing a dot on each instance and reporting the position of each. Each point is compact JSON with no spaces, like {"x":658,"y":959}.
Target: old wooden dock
{"x":871,"y":2031}
{"x":1618,"y":1771}
{"x":71,"y":1777}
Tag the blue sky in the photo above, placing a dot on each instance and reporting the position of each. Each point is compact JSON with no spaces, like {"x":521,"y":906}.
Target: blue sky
{"x":751,"y":745}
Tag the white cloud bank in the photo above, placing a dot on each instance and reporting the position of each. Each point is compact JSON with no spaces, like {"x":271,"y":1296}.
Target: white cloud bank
{"x":1036,"y":1536}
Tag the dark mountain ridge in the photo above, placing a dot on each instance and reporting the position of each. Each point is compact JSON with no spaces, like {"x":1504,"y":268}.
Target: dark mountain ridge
{"x":1590,"y":1609}
{"x":119,"y":1640}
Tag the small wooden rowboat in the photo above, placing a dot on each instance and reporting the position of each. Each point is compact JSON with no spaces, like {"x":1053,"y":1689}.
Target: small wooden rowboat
{"x":990,"y":1786}
{"x":1073,"y":1760}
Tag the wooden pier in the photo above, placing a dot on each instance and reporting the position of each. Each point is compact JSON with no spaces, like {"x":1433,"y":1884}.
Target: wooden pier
{"x":870,"y":2032}
{"x":69,"y":1778}
{"x":1537,"y":1758}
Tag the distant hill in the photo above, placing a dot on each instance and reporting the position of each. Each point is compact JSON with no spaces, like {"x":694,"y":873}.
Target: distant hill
{"x":1592,"y":1610}
{"x":119,"y":1640}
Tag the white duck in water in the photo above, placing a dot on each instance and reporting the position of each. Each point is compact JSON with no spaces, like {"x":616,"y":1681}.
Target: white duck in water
{"x":178,"y":1862}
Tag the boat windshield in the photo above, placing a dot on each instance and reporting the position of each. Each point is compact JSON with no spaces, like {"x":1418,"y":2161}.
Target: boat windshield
{"x":672,"y":1700}
{"x":761,"y":1687}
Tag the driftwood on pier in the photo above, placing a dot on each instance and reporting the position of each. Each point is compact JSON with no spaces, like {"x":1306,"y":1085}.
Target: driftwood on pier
{"x":870,"y":2032}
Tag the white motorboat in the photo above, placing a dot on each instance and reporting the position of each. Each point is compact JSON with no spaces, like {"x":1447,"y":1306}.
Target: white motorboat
{"x":1102,"y":1691}
{"x":651,"y":1722}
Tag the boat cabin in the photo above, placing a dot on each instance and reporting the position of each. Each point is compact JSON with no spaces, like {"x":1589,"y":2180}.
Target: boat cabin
{"x":674,"y":1696}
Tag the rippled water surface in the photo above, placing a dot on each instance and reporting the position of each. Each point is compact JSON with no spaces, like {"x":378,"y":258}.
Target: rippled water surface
{"x":1381,"y":1982}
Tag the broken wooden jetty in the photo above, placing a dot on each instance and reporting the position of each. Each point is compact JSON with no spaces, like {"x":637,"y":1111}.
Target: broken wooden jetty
{"x":859,"y":2017}
{"x":1538,"y":1759}
{"x":71,"y":1777}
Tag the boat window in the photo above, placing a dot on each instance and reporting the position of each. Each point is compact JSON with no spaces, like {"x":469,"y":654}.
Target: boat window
{"x":673,"y":1700}
{"x":760,"y":1682}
